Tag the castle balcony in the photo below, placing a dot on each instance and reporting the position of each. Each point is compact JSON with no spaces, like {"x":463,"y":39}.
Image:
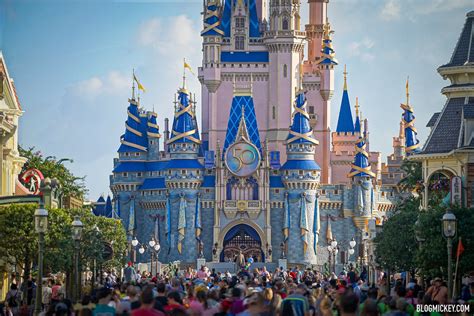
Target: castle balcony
{"x":234,"y":207}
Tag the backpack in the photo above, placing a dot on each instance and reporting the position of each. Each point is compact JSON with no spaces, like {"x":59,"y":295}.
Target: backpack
{"x":12,"y":302}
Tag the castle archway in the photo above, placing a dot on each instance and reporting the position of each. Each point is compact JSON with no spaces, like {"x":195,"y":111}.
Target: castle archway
{"x":242,"y":238}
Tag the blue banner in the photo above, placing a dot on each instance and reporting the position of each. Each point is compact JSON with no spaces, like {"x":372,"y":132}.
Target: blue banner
{"x":209,"y":159}
{"x":275,"y":160}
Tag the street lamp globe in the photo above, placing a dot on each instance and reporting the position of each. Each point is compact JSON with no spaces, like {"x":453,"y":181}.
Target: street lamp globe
{"x":152,"y":242}
{"x":336,"y":251}
{"x":449,"y":224}
{"x":77,"y":227}
{"x":141,"y":250}
{"x":351,"y":251}
{"x":329,"y":248}
{"x":41,"y":220}
{"x":134,"y":241}
{"x":157,"y":247}
{"x":334,"y":243}
{"x":352,"y":243}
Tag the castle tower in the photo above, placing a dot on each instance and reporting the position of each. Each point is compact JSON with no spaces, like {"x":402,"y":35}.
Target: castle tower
{"x":183,"y":180}
{"x":301,"y":176}
{"x":412,"y":143}
{"x":285,"y":43}
{"x":346,"y":136}
{"x":153,"y":133}
{"x":319,"y":81}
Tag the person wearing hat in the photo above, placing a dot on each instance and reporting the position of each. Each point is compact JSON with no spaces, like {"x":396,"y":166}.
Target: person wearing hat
{"x":438,"y":291}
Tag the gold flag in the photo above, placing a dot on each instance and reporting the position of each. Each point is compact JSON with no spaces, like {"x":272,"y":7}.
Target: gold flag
{"x":186,"y":65}
{"x":140,"y":86}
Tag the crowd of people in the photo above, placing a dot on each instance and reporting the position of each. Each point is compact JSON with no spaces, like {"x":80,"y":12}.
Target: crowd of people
{"x":283,"y":292}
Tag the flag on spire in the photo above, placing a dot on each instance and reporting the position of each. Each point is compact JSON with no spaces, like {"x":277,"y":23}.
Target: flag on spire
{"x":187,"y":66}
{"x":140,"y":86}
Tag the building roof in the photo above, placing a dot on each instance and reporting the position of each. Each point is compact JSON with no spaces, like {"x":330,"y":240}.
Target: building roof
{"x":300,"y":129}
{"x":445,"y":134}
{"x":108,"y":211}
{"x":153,"y":184}
{"x":345,"y":123}
{"x":99,"y":207}
{"x":153,"y":130}
{"x":140,"y":166}
{"x":184,"y":164}
{"x":464,"y":51}
{"x":211,"y":20}
{"x":275,"y":182}
{"x":433,"y":119}
{"x":468,"y":111}
{"x":239,"y":102}
{"x":209,"y":182}
{"x":300,"y":165}
{"x":135,"y":137}
{"x":245,"y":57}
{"x":184,"y":124}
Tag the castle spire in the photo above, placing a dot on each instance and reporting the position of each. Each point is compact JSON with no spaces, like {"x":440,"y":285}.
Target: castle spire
{"x":408,"y":118}
{"x":345,"y":123}
{"x":242,"y":132}
{"x":212,"y":25}
{"x":361,"y":164}
{"x":357,"y":122}
{"x":300,"y":130}
{"x":184,"y":124}
{"x":328,"y":55}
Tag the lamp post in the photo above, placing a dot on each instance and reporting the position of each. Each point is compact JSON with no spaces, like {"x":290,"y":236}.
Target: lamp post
{"x":333,"y":250}
{"x":41,"y":227}
{"x":77,"y":227}
{"x":282,"y":248}
{"x":449,"y":231}
{"x":152,"y":244}
{"x":157,"y":248}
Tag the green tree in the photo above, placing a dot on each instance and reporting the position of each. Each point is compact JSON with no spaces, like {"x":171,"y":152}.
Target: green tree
{"x":52,"y":167}
{"x":413,"y":178}
{"x":432,"y":256}
{"x":396,"y":244}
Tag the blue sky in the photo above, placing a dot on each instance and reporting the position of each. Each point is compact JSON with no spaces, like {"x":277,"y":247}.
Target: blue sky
{"x":72,"y":61}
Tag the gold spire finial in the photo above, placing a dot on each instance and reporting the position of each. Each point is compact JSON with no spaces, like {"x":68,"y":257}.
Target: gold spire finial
{"x":133,"y":84}
{"x":408,"y":90}
{"x":345,"y":77}
{"x":357,"y":107}
{"x":184,"y":73}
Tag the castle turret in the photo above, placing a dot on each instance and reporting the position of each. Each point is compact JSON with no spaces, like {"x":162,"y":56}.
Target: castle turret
{"x":412,"y":143}
{"x":345,"y":123}
{"x":326,"y":63}
{"x":362,"y":175}
{"x":153,"y":133}
{"x":301,"y":175}
{"x":183,"y":179}
{"x":315,"y":27}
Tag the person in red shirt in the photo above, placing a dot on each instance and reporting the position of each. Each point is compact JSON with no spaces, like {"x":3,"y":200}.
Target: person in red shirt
{"x":148,"y":301}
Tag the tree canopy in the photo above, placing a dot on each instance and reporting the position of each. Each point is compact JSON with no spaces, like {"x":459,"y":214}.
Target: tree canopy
{"x":53,"y":167}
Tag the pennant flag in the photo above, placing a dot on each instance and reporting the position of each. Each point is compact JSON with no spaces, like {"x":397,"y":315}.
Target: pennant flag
{"x":460,"y":248}
{"x":168,"y":223}
{"x":187,"y":66}
{"x":140,"y":86}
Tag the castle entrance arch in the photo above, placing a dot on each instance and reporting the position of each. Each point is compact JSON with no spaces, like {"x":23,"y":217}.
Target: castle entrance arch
{"x":243,"y":238}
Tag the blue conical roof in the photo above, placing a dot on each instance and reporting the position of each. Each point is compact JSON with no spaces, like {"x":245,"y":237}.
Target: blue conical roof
{"x":361,"y":164}
{"x":99,"y":208}
{"x":328,"y":53}
{"x":108,"y":207}
{"x":184,"y":124}
{"x":153,"y":128}
{"x":135,"y":137}
{"x":357,"y":125}
{"x":412,"y":143}
{"x":300,"y":130}
{"x":212,"y":24}
{"x":345,"y":124}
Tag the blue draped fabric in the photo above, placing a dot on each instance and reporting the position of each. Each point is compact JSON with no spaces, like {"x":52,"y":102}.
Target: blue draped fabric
{"x":168,"y":223}
{"x":197,"y":220}
{"x":316,"y":224}
{"x":286,"y":219}
{"x":236,"y":230}
{"x":304,"y":223}
{"x":131,"y":218}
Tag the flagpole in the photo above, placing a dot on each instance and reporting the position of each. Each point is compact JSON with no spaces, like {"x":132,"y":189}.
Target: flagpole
{"x":133,"y":84}
{"x":184,"y":73}
{"x":456,"y":269}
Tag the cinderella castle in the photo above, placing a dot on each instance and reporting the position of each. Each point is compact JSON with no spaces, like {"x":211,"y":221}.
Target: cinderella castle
{"x":263,"y":173}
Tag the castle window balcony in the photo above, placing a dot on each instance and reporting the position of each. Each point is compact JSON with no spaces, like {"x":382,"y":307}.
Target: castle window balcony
{"x":234,"y":207}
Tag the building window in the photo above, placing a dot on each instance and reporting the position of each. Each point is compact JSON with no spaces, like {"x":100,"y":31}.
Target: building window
{"x":300,"y":172}
{"x":183,"y":171}
{"x":285,"y":71}
{"x":139,"y":174}
{"x":125,"y":174}
{"x":311,"y":109}
{"x":273,"y":112}
{"x":240,"y":22}
{"x":127,"y":154}
{"x":284,"y":25}
{"x":239,"y":43}
{"x":137,"y":154}
{"x":277,"y":191}
{"x":207,"y":190}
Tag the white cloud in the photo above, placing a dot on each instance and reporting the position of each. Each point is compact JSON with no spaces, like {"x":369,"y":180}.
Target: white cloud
{"x":434,"y":6}
{"x":112,"y":83}
{"x":362,"y":49}
{"x":391,"y":10}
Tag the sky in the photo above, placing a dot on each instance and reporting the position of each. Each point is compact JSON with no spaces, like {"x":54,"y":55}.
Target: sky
{"x":72,"y":62}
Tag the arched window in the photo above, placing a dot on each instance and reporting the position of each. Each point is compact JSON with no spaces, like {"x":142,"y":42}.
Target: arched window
{"x":285,"y":25}
{"x":239,"y":43}
{"x":273,"y":112}
{"x":285,"y":71}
